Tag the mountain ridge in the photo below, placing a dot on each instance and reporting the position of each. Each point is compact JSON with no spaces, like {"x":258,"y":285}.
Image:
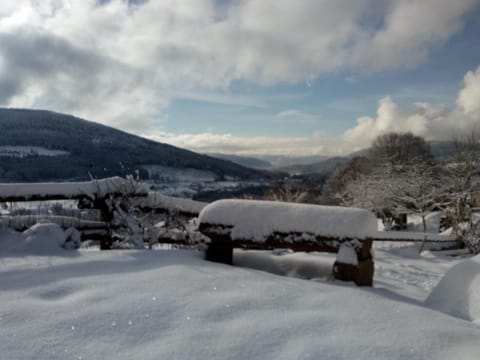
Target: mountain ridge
{"x":93,"y":149}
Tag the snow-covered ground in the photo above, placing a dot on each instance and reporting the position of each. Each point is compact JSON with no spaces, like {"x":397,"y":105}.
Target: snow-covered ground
{"x":187,"y":182}
{"x":181,"y":175}
{"x":175,"y":305}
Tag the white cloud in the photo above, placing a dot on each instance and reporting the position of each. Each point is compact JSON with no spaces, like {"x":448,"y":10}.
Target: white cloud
{"x":316,"y":144}
{"x":434,"y":122}
{"x":121,"y":64}
{"x":410,"y":30}
{"x":469,"y":98}
{"x":297,"y":116}
{"x":222,"y":98}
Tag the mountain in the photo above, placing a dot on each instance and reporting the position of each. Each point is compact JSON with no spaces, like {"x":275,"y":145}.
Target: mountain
{"x":278,"y":161}
{"x":321,"y":167}
{"x":38,"y":145}
{"x":439,"y":149}
{"x":264,"y":161}
{"x":251,"y":162}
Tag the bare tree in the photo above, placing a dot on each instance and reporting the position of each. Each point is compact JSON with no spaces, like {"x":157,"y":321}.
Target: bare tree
{"x":347,"y":183}
{"x":360,"y":183}
{"x":415,"y":189}
{"x":407,"y":174}
{"x":127,"y":213}
{"x":463,"y":172}
{"x":288,"y":191}
{"x":397,"y":149}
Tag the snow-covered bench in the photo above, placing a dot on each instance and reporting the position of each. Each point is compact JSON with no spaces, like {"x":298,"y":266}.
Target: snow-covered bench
{"x":266,"y":225}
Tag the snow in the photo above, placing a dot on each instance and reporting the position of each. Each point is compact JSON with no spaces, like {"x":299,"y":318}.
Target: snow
{"x":156,"y":200}
{"x":415,"y":232}
{"x":458,"y":293}
{"x":181,"y":182}
{"x":174,"y":305}
{"x":413,"y":236}
{"x":178,"y":175}
{"x":40,"y":239}
{"x":432,"y":221}
{"x":91,"y":189}
{"x":24,"y":151}
{"x":20,"y":222}
{"x":256,"y":220}
{"x":347,"y":254}
{"x":312,"y":266}
{"x":44,"y":238}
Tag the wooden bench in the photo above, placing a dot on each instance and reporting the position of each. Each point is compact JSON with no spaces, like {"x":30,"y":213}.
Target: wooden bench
{"x":266,"y":225}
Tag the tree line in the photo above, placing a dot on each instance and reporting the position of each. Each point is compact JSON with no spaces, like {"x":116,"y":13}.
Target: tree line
{"x":400,"y":175}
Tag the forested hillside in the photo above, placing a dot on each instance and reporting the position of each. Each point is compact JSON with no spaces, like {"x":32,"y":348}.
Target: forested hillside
{"x":90,"y":148}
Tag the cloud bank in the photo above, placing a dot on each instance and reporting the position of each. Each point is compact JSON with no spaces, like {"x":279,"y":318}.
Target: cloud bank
{"x":122,"y":62}
{"x":433,"y":122}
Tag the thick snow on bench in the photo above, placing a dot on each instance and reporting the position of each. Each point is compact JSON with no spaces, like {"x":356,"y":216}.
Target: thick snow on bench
{"x":256,"y":220}
{"x":91,"y":189}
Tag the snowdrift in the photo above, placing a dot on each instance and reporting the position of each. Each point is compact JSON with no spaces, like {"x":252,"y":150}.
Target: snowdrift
{"x":151,"y":305}
{"x":40,"y":239}
{"x":44,"y":238}
{"x":458,"y":293}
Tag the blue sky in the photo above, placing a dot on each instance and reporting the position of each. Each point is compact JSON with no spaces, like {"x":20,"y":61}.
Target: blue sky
{"x":245,"y":76}
{"x":333,"y":101}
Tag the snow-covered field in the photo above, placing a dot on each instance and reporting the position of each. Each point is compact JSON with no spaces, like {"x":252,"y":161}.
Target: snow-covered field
{"x":187,"y":182}
{"x":172,"y":304}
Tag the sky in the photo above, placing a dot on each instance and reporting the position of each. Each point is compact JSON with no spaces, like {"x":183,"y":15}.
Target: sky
{"x":248,"y":77}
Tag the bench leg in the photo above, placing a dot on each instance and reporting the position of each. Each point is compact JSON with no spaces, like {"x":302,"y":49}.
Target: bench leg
{"x":362,"y":272}
{"x":221,"y":252}
{"x":106,"y":243}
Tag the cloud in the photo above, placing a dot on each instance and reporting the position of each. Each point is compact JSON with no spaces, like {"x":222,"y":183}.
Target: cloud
{"x":222,"y":98}
{"x":434,"y":122}
{"x":122,"y":62}
{"x":39,"y":69}
{"x":315,"y":144}
{"x":409,"y":31}
{"x":469,"y":98}
{"x":297,"y":116}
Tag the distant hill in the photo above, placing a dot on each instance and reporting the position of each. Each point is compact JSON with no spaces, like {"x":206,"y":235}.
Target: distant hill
{"x":263,"y":161}
{"x":37,"y":145}
{"x":439,"y":149}
{"x":321,"y":167}
{"x":279,"y":161}
{"x":251,"y":162}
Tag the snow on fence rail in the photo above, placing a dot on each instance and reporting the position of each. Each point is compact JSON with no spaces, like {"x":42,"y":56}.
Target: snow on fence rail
{"x":106,"y":195}
{"x":70,"y":190}
{"x":22,"y":222}
{"x":157,"y":201}
{"x":412,"y":236}
{"x":267,"y":224}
